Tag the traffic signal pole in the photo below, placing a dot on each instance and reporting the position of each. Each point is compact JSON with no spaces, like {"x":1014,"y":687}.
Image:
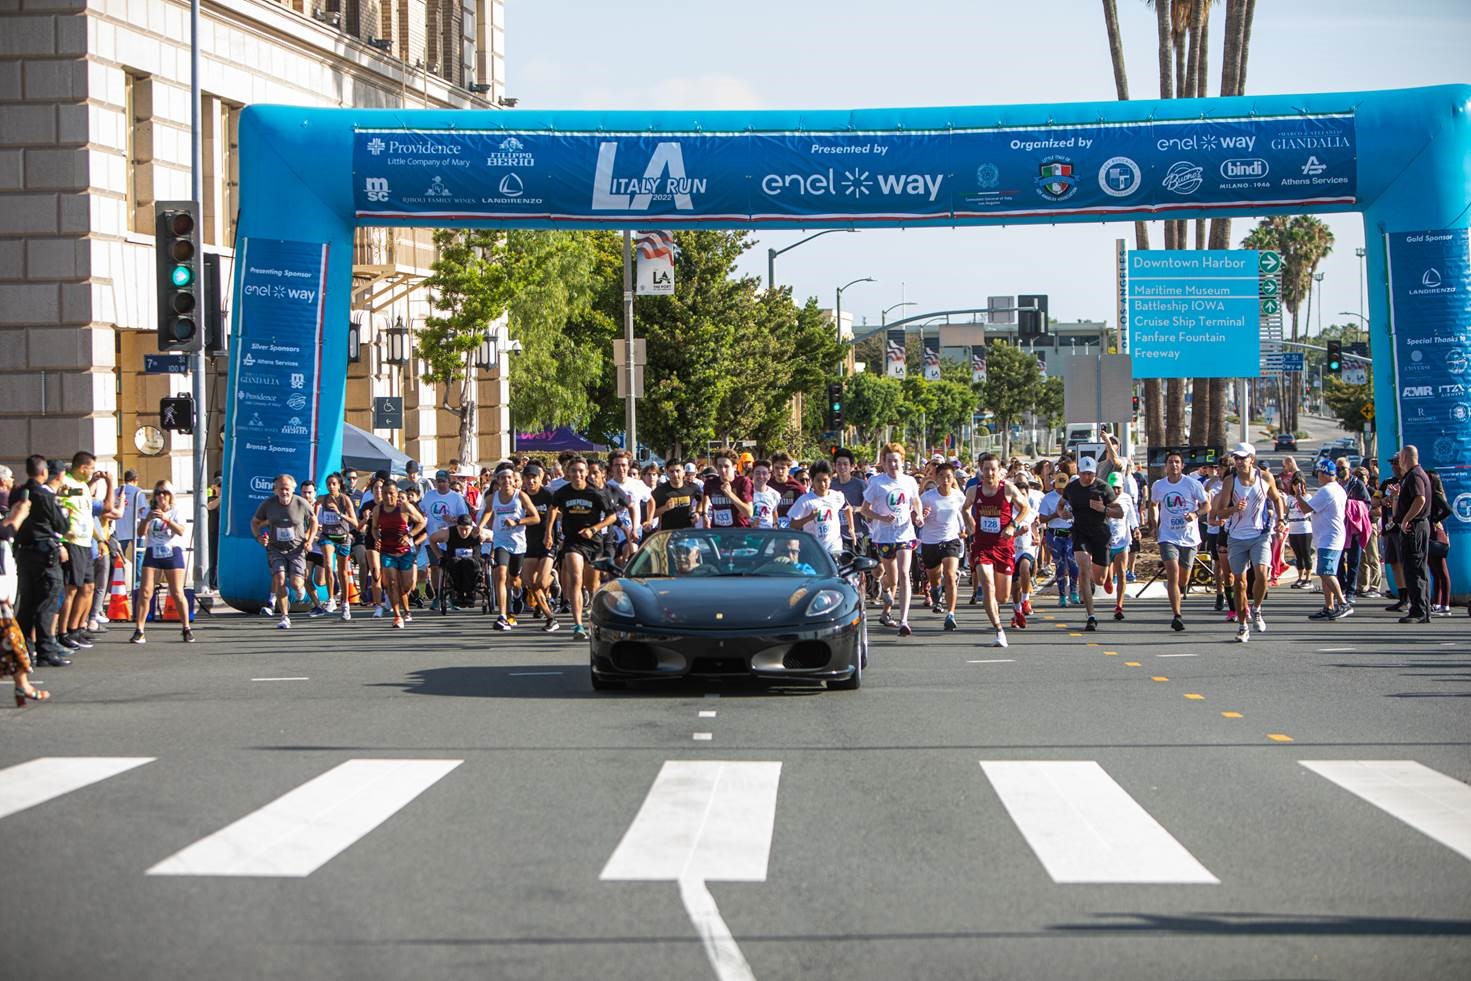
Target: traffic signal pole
{"x":197,"y":360}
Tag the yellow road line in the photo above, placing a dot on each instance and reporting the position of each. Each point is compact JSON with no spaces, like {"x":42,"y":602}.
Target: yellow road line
{"x":1193,"y":696}
{"x":1231,"y":715}
{"x":1279,"y":737}
{"x":1131,"y":664}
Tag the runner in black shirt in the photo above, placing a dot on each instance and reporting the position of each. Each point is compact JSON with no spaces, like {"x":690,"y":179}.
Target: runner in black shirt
{"x":1090,"y":503}
{"x":537,"y":566}
{"x":585,"y":513}
{"x":677,"y":502}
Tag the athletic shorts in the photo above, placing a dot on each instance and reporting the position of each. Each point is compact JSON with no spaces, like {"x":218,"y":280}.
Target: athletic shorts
{"x":399,"y":563}
{"x":1249,"y":551}
{"x":433,"y":556}
{"x":589,"y":550}
{"x":1183,"y":554}
{"x":1391,"y":540}
{"x":1094,"y":544}
{"x":315,"y":558}
{"x":1114,"y":553}
{"x":293,"y":563}
{"x":1212,"y":542}
{"x":1000,"y":555}
{"x":80,"y":570}
{"x":933,"y":554}
{"x":1328,"y":561}
{"x":172,"y":561}
{"x":889,"y":550}
{"x":340,"y":546}
{"x":511,"y":560}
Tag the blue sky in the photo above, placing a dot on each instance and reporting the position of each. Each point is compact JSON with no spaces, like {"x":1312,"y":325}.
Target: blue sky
{"x":761,"y":54}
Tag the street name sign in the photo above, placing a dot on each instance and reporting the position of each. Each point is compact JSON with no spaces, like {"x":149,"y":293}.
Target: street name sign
{"x":1194,"y":314}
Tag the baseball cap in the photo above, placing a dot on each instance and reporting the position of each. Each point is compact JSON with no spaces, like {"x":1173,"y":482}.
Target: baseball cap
{"x":690,"y":468}
{"x":1326,"y":465}
{"x":1243,"y":450}
{"x":1115,"y":479}
{"x":937,"y":458}
{"x":1087,"y":465}
{"x":746,"y":458}
{"x":441,"y":475}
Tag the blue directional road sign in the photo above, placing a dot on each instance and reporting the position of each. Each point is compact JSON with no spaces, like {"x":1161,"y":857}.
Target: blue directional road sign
{"x":1195,"y":314}
{"x":166,"y":364}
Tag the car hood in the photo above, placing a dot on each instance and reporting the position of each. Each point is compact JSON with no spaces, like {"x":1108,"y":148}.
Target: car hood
{"x":724,"y":603}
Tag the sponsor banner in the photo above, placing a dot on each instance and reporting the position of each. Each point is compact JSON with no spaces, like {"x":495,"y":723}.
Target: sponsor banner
{"x":977,"y":364}
{"x":913,"y":176}
{"x":655,"y":257}
{"x":1194,"y":314}
{"x":1430,"y":296}
{"x":277,"y":351}
{"x":895,"y":360}
{"x":932,"y":359}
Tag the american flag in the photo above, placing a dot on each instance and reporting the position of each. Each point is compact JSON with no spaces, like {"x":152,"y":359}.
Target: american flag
{"x":655,"y":245}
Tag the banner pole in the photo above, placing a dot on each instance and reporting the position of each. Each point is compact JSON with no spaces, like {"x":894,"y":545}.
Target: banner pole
{"x":630,"y":441}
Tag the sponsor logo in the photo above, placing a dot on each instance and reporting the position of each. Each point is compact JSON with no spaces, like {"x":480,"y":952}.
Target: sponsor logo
{"x":295,"y":427}
{"x":1055,"y":178}
{"x":664,"y":180}
{"x":1452,"y":389}
{"x":417,"y":148}
{"x":988,"y":175}
{"x":1244,"y":168}
{"x":1462,"y":506}
{"x":376,"y":188}
{"x":1417,"y":392}
{"x":265,"y":381}
{"x":1430,"y":278}
{"x":855,"y":183}
{"x":1183,"y":178}
{"x":1332,"y":141}
{"x":296,"y":403}
{"x":255,"y":421}
{"x":1455,"y":362}
{"x":511,"y":186}
{"x":298,"y":380}
{"x":436,"y":189}
{"x":1119,"y":177}
{"x":1313,"y":167}
{"x":511,"y":153}
{"x":1461,"y":412}
{"x":261,"y":485}
{"x":1445,"y":450}
{"x":376,"y":146}
{"x":1206,"y":142}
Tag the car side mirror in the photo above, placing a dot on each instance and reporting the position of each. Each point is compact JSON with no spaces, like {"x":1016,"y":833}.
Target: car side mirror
{"x":861,"y":563}
{"x":606,"y":564}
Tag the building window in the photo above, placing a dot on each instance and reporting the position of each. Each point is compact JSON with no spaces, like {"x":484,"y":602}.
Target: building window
{"x":221,"y":151}
{"x":138,"y":108}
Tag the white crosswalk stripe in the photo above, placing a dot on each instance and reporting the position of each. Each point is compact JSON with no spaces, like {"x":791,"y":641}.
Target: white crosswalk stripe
{"x":1084,"y":827}
{"x":1428,"y":801}
{"x":37,"y":781}
{"x":301,"y":831}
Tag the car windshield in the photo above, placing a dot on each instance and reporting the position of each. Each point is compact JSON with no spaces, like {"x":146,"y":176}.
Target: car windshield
{"x":697,"y":552}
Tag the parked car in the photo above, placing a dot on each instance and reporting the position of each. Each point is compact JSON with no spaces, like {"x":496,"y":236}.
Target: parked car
{"x":1285,"y":442}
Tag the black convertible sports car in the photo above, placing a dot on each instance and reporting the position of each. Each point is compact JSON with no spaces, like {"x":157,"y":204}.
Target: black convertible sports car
{"x":766,"y":603}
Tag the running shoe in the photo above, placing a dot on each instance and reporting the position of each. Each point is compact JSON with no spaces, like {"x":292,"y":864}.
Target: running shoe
{"x":1075,"y":600}
{"x":1176,"y":624}
{"x":137,"y":638}
{"x":1296,"y":585}
{"x":1061,"y":601}
{"x":1259,"y":622}
{"x":551,"y":626}
{"x":284,"y":623}
{"x":1091,"y":625}
{"x":935,"y":607}
{"x":904,"y":630}
{"x":398,"y":622}
{"x":1345,"y":610}
{"x":1323,"y":614}
{"x":950,"y":622}
{"x":332,"y":605}
{"x":346,"y":614}
{"x":1129,"y":577}
{"x":1220,"y":602}
{"x":1019,"y":619}
{"x":267,"y":611}
{"x":316,"y":612}
{"x":408,"y":616}
{"x":188,"y":636}
{"x":511,"y":619}
{"x":1230,"y":616}
{"x":1027,"y":607}
{"x":1000,"y":640}
{"x":379,"y":611}
{"x":501,"y":624}
{"x":1243,"y":632}
{"x":579,"y":632}
{"x":1108,"y":585}
{"x":1118,"y":613}
{"x":886,"y":619}
{"x":975,"y":597}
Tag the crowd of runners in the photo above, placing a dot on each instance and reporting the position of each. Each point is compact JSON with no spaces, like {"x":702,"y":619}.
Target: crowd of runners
{"x":524,"y":539}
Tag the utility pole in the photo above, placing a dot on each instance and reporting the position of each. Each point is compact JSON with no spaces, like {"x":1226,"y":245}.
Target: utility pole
{"x":197,"y":360}
{"x":630,"y":439}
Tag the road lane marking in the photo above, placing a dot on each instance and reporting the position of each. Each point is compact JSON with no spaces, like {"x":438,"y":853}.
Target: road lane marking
{"x":280,"y":679}
{"x":1112,"y":653}
{"x":707,"y":715}
{"x":1131,"y":664}
{"x":1334,"y":650}
{"x":1231,"y":715}
{"x":1175,"y":655}
{"x":531,"y":674}
{"x":709,"y":820}
{"x":1279,"y":737}
{"x":304,"y":829}
{"x":1071,"y":634}
{"x":1194,"y":697}
{"x":703,"y":821}
{"x":1084,"y":827}
{"x":703,"y":737}
{"x":1428,"y":801}
{"x":995,"y":660}
{"x":1159,"y":677}
{"x":37,"y":781}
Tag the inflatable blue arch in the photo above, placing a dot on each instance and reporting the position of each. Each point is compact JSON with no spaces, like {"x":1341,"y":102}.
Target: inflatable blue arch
{"x":310,"y":176}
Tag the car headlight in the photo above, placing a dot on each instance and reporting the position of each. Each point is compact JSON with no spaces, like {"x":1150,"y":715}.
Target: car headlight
{"x":616,"y":603}
{"x":824,"y":601}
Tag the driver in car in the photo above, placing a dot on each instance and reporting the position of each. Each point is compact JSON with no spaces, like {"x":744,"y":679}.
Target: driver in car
{"x":788,"y":560}
{"x":688,"y":561}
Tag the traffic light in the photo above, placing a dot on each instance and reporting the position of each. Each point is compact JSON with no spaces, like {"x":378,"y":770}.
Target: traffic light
{"x":1136,"y":405}
{"x":176,"y":250}
{"x":1031,"y":317}
{"x":835,"y":406}
{"x":1335,"y":357}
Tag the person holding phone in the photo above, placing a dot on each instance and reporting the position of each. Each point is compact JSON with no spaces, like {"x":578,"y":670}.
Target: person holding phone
{"x":161,"y":537}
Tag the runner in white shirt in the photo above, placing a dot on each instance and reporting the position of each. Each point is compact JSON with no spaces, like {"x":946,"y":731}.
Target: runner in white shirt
{"x":1120,"y":536}
{"x":891,"y":505}
{"x":629,"y":529}
{"x":764,"y":499}
{"x":1175,"y":502}
{"x":1330,"y":534}
{"x":824,"y":509}
{"x":947,"y":526}
{"x":440,"y":507}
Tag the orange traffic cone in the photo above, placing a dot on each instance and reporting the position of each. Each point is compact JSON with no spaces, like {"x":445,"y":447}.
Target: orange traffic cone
{"x":353,"y":596}
{"x":118,"y":609}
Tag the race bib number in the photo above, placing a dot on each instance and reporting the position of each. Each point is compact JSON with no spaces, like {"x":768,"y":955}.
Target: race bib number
{"x":331,"y":519}
{"x":1178,"y":521}
{"x":464,"y":553}
{"x":722,"y":517}
{"x":991,"y":524}
{"x":286,"y":535}
{"x":161,"y":551}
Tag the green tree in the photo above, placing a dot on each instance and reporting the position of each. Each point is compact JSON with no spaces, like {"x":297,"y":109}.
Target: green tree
{"x":952,"y":405}
{"x":1349,"y":403}
{"x":873,"y":402}
{"x":1013,"y":378}
{"x":1048,"y":406}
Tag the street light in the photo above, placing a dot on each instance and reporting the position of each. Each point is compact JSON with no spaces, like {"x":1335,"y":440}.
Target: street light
{"x":771,"y":254}
{"x":884,"y":314}
{"x":487,"y":354}
{"x":838,"y":313}
{"x":1318,"y":278}
{"x":398,"y":344}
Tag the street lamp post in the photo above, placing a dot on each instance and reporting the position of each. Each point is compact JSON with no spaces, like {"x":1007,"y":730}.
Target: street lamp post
{"x":771,"y":254}
{"x":1318,"y":279}
{"x":1360,"y":252}
{"x":838,"y":307}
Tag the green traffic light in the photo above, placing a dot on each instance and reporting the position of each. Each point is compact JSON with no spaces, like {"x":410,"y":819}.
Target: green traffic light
{"x":182,"y":276}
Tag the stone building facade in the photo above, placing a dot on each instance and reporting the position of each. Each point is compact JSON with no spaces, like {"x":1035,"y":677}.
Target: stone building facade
{"x":95,"y":127}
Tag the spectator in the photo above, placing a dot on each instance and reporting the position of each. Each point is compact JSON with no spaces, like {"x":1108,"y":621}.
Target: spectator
{"x":1371,"y":576}
{"x":1326,"y":510}
{"x":1440,"y":547}
{"x":38,"y":552}
{"x":1411,"y":516}
{"x":1357,"y":518}
{"x":1390,"y":535}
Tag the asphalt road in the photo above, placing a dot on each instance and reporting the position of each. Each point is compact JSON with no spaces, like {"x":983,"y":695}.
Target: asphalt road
{"x":885,"y":836}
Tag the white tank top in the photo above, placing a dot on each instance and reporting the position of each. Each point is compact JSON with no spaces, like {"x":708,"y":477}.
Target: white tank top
{"x":1253,"y":521}
{"x":512,"y":540}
